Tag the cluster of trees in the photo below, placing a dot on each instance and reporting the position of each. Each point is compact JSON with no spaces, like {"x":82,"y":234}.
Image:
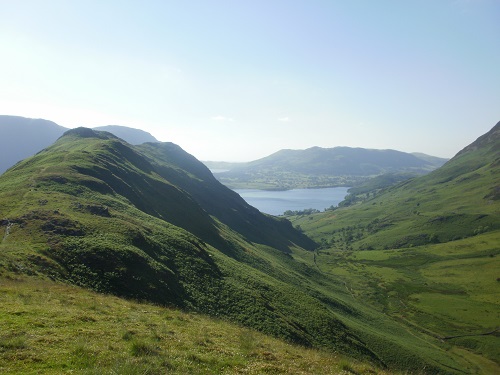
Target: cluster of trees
{"x":307,"y":211}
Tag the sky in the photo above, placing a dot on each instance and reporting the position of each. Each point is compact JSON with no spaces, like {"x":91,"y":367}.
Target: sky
{"x":236,"y":80}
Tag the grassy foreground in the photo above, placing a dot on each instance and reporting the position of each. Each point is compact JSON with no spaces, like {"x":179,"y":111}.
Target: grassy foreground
{"x":52,"y":328}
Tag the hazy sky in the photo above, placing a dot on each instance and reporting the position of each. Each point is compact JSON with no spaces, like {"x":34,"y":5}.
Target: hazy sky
{"x":238,"y":80}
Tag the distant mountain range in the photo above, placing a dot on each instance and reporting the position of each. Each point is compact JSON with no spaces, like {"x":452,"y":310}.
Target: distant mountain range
{"x":21,"y":137}
{"x":321,"y":167}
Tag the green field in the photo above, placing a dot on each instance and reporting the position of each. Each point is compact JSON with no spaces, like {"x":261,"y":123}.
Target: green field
{"x":442,"y":290}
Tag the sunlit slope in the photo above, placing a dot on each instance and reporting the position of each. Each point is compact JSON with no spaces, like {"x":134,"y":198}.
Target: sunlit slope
{"x":52,"y":328}
{"x":151,"y":223}
{"x":458,"y":200}
{"x":94,"y":211}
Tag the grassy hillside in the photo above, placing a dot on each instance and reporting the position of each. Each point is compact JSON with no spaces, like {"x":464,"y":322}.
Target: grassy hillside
{"x":186,"y":172}
{"x":324,"y":167}
{"x":426,"y":252}
{"x":53,"y":328}
{"x":150,"y":223}
{"x":94,"y":211}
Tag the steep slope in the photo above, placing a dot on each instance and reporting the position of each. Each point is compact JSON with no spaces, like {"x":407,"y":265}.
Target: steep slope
{"x":321,"y":167}
{"x":183,"y":170}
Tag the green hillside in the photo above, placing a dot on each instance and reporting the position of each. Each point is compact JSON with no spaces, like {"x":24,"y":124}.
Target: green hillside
{"x":52,"y":328}
{"x":152,"y":224}
{"x":456,"y":201}
{"x":426,"y":252}
{"x":318,"y":167}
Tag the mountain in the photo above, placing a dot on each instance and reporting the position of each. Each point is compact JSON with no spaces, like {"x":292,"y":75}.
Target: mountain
{"x":220,"y":202}
{"x":425,"y":251}
{"x":151,"y":223}
{"x":103,"y":214}
{"x":454,"y":201}
{"x":324,"y":167}
{"x":434,"y":160}
{"x":22,"y":137}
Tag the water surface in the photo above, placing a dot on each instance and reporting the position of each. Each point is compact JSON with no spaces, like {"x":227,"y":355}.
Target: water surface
{"x":277,"y":202}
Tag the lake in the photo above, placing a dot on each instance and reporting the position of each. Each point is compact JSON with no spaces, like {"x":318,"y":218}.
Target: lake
{"x":277,"y":202}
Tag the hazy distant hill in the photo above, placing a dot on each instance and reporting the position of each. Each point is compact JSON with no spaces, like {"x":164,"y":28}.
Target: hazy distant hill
{"x":323,"y":167}
{"x":434,"y":160}
{"x":457,"y":200}
{"x":131,"y":135}
{"x":21,"y":137}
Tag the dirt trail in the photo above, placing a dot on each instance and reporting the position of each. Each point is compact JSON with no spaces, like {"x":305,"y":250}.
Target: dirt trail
{"x":471,"y":335}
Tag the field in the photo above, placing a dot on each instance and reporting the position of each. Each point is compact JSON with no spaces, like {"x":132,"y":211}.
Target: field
{"x":449,"y":292}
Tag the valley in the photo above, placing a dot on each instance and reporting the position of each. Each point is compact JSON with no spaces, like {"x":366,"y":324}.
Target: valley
{"x":144,"y":243}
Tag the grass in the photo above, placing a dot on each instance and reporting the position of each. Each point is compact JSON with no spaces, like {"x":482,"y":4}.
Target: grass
{"x":454,"y":202}
{"x":136,"y":224}
{"x":98,"y":214}
{"x":425,"y":253}
{"x":439,"y":290}
{"x":52,"y":328}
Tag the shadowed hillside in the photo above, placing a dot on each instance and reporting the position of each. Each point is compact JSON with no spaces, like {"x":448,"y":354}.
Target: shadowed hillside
{"x":186,"y":172}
